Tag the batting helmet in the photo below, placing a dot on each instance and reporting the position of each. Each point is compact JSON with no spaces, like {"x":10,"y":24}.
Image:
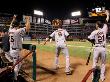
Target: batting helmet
{"x":56,"y":22}
{"x":16,"y":23}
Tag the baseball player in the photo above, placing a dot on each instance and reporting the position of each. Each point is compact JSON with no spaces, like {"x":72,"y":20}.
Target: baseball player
{"x":16,"y":34}
{"x":60,"y":39}
{"x":98,"y":38}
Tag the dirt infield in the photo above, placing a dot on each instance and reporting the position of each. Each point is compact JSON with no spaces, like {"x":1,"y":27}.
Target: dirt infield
{"x":46,"y":60}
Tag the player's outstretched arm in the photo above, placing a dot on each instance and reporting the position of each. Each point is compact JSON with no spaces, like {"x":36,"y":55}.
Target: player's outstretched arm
{"x":107,"y":12}
{"x":105,"y":26}
{"x":47,"y":39}
{"x":27,"y":24}
{"x":14,"y":18}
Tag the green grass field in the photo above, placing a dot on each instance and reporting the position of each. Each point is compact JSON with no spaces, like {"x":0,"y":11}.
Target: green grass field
{"x":76,"y":48}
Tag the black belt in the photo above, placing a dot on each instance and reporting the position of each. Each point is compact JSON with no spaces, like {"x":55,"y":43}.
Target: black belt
{"x":15,"y":48}
{"x":100,"y":46}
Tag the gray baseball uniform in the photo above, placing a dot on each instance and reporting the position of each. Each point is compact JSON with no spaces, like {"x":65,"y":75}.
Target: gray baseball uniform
{"x":100,"y":50}
{"x":60,"y":40}
{"x":15,"y":46}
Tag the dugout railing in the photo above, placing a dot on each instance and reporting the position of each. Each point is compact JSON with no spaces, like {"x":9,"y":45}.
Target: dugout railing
{"x":6,"y":73}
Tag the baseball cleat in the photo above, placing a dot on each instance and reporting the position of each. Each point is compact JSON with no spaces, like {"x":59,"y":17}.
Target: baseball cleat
{"x":69,"y":73}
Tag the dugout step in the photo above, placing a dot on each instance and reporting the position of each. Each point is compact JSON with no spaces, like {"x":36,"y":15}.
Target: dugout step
{"x":9,"y":76}
{"x":4,"y":62}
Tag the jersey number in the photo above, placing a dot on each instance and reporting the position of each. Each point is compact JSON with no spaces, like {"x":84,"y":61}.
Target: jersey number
{"x":100,"y":39}
{"x":59,"y":34}
{"x":11,"y":39}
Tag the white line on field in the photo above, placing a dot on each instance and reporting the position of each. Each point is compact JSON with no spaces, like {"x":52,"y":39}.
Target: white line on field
{"x":88,"y":48}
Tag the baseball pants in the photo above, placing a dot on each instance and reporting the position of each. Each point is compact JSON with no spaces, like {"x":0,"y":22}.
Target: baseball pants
{"x":66,"y":53}
{"x":15,"y":54}
{"x":100,"y":52}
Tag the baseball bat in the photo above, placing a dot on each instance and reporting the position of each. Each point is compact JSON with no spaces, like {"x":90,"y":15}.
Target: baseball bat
{"x":88,"y":59}
{"x":45,"y":42}
{"x":87,"y":75}
{"x":9,"y":69}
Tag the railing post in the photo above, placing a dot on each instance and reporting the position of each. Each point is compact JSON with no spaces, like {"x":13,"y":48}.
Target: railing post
{"x":33,"y":49}
{"x":96,"y":74}
{"x":34,"y":62}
